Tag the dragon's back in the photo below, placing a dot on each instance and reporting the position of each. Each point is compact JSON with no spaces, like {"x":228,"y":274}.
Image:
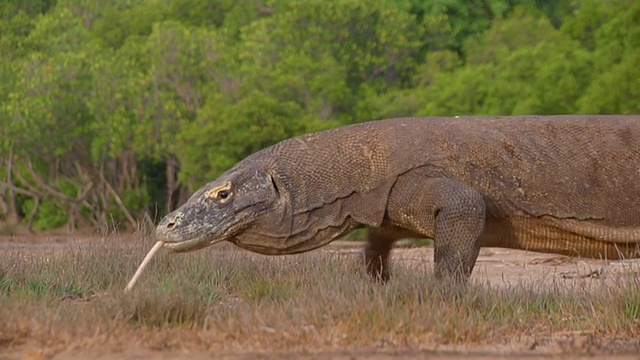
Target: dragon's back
{"x":578,"y":168}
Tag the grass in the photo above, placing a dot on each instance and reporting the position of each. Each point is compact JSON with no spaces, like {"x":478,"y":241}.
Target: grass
{"x":237,"y":301}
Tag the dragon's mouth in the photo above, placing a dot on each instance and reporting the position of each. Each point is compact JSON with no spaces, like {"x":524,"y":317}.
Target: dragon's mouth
{"x":193,"y":236}
{"x":189,"y":245}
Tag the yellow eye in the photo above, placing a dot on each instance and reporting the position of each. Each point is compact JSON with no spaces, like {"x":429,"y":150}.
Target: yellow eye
{"x":220,"y":193}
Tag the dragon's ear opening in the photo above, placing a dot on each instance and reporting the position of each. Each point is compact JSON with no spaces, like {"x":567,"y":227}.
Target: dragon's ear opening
{"x":274,"y":184}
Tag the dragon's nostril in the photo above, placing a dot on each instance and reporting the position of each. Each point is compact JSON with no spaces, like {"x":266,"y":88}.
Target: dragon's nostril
{"x":171,"y":225}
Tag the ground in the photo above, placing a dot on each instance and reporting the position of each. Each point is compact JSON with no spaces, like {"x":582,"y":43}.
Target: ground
{"x":495,"y":266}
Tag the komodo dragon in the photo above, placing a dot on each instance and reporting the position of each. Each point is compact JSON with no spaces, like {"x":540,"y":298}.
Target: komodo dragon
{"x":560,"y":184}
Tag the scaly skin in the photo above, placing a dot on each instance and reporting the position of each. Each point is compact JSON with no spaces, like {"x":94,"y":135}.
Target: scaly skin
{"x":559,"y":184}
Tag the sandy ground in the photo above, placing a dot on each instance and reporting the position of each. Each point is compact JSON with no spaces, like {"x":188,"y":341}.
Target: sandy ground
{"x":497,"y":267}
{"x":358,"y":354}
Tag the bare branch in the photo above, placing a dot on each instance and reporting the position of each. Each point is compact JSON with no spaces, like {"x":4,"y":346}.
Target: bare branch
{"x":118,"y":200}
{"x":43,"y":185}
{"x":32,"y":216}
{"x":19,"y":190}
{"x":32,"y":189}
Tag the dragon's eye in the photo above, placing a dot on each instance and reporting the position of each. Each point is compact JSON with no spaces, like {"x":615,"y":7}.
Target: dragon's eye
{"x":220,"y":193}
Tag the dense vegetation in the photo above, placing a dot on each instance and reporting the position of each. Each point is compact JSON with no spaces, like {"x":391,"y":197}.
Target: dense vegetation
{"x":111,"y":112}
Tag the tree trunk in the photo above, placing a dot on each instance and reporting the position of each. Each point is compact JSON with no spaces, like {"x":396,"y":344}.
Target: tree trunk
{"x":172,"y":182}
{"x":3,"y":202}
{"x":32,"y":217}
{"x":13,"y":216}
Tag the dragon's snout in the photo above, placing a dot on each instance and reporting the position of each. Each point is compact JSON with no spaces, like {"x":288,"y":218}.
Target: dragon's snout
{"x":168,"y":225}
{"x":182,"y":231}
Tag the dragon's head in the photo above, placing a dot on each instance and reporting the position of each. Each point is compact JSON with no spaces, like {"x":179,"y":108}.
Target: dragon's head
{"x":222,"y":209}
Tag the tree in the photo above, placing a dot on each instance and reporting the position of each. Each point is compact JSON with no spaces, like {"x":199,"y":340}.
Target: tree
{"x":202,"y":13}
{"x":17,"y":23}
{"x":614,"y":35}
{"x":107,"y":107}
{"x":468,"y":19}
{"x":252,"y":107}
{"x":522,"y":65}
{"x":304,"y":67}
{"x":49,"y":125}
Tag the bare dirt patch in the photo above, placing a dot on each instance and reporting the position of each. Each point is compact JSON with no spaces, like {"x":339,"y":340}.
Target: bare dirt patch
{"x":310,"y":339}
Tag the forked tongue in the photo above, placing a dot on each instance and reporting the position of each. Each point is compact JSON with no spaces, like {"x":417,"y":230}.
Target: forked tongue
{"x":143,"y":265}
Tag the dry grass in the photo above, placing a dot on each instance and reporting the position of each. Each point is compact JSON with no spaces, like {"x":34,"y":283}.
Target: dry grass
{"x":236,"y":301}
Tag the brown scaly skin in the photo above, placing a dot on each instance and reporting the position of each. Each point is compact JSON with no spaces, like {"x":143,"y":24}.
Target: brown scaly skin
{"x":560,"y":184}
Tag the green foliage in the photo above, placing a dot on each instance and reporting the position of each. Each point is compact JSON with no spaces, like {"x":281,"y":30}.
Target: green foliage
{"x":467,"y":19}
{"x":90,"y":83}
{"x":302,"y":69}
{"x":15,"y":25}
{"x":31,"y":8}
{"x":115,"y":21}
{"x":589,"y":18}
{"x":201,"y":12}
{"x":47,"y":108}
{"x":49,"y":216}
{"x":52,"y":213}
{"x":377,"y":43}
{"x":522,"y":65}
{"x":233,"y":131}
{"x":135,"y":200}
{"x":615,"y":88}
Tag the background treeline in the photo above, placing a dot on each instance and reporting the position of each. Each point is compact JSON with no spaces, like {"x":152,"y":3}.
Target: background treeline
{"x":112,"y":112}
